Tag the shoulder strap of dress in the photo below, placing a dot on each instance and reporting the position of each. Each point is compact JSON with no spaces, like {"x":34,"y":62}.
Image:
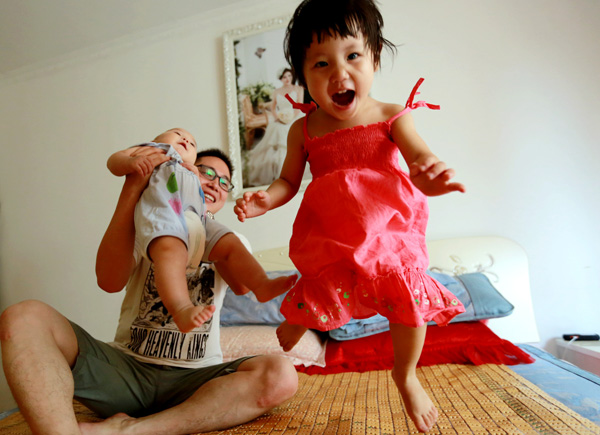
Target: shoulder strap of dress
{"x":410,"y":105}
{"x":304,"y":108}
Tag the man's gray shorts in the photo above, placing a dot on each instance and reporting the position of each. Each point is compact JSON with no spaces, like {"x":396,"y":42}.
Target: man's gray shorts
{"x":108,"y":381}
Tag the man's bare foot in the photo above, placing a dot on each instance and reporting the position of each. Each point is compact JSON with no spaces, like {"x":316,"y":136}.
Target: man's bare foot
{"x":116,"y":424}
{"x":418,"y":405}
{"x":289,"y":335}
{"x":271,"y":288}
{"x":193,"y":316}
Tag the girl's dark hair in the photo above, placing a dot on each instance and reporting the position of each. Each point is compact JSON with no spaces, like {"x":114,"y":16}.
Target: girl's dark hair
{"x":331,"y":18}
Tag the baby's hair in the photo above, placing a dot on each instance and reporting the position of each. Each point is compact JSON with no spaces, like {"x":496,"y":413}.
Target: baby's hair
{"x":331,"y":18}
{"x":216,"y":152}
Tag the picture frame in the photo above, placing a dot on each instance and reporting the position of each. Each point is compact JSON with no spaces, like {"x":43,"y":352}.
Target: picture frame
{"x":254,"y":59}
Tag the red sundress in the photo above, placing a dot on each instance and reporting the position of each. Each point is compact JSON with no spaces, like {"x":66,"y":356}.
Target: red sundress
{"x":359,"y":237}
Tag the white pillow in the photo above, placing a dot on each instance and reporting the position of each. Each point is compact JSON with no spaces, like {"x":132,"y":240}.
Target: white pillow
{"x":240,"y":341}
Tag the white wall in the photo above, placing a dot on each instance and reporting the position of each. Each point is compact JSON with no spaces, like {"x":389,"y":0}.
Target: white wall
{"x":518,"y":85}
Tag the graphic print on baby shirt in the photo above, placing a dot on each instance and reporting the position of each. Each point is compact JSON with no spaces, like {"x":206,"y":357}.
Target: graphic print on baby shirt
{"x":154,"y":334}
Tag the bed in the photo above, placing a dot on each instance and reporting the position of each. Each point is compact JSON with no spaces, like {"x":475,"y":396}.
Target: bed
{"x":482,"y":371}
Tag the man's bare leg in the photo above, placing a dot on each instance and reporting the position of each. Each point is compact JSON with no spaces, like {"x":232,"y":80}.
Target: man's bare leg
{"x":259,"y":385}
{"x":39,"y":347}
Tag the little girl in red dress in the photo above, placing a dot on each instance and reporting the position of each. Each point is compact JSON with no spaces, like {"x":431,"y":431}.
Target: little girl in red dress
{"x":359,"y":237}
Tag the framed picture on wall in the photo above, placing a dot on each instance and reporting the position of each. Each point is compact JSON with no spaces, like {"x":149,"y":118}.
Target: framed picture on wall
{"x":257,"y":78}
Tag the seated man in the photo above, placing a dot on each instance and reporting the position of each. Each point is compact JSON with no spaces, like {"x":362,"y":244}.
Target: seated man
{"x":141,"y":387}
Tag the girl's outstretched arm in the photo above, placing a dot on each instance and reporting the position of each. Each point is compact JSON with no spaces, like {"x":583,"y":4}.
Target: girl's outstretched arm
{"x":427,"y":172}
{"x":431,"y":176}
{"x":257,"y":203}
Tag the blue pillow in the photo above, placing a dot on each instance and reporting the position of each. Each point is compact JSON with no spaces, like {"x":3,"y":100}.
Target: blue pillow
{"x":474,"y":290}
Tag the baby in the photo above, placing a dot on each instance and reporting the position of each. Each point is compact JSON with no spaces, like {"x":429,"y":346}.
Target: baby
{"x":171,"y":205}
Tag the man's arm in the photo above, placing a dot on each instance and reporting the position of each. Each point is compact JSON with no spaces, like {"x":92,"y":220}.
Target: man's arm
{"x":114,"y":260}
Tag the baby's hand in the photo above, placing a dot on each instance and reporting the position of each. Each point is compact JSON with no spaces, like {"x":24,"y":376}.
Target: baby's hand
{"x":431,"y":177}
{"x":252,"y":204}
{"x":140,"y":165}
{"x":144,"y":159}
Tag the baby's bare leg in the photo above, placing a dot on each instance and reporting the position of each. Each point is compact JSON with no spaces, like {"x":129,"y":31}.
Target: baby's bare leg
{"x":169,"y":255}
{"x":242,"y":271}
{"x":289,"y":335}
{"x":408,"y":344}
{"x":271,"y":288}
{"x":193,"y":316}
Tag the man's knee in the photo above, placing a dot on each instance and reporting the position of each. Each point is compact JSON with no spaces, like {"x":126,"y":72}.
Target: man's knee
{"x":35,"y":323}
{"x":280,"y":381}
{"x":25,"y":314}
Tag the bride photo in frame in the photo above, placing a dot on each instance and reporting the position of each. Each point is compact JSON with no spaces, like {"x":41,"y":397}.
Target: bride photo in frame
{"x":257,"y":78}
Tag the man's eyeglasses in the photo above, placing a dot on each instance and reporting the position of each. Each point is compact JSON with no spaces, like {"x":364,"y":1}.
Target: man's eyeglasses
{"x":210,"y":174}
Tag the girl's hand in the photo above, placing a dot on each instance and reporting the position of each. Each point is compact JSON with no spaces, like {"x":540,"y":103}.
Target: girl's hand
{"x":431,"y":177}
{"x":252,"y":204}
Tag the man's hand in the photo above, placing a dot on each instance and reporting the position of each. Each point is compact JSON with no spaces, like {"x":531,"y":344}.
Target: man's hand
{"x":252,"y":204}
{"x":431,"y":177}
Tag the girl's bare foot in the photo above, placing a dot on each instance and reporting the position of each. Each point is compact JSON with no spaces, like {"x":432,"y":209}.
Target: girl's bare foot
{"x":192,"y":316}
{"x":289,"y":335}
{"x":418,"y":405}
{"x":116,"y":424}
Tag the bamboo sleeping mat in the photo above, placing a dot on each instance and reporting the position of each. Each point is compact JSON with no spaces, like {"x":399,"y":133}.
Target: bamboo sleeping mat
{"x":488,"y":399}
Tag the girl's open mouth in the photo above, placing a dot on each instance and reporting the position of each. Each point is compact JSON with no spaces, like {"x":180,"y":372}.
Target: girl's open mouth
{"x":343,"y":98}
